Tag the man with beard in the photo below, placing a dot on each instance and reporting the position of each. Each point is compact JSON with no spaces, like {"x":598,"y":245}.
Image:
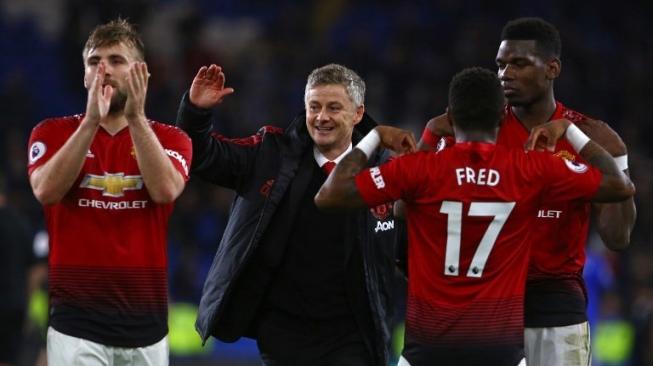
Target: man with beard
{"x":107,"y":180}
{"x":528,"y":61}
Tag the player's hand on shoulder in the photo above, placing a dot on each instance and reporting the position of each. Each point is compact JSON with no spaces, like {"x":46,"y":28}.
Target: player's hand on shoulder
{"x":545,"y":136}
{"x":396,"y":139}
{"x":208,"y":87}
{"x":601,"y":133}
{"x":435,"y":129}
{"x":440,"y":125}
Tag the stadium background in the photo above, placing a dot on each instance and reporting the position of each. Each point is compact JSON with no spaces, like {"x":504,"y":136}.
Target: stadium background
{"x":406,"y":51}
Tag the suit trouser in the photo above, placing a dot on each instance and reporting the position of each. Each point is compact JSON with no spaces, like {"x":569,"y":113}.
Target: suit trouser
{"x":285,"y":341}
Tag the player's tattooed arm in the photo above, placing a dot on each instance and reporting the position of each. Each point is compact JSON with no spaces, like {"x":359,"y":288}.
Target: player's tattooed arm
{"x":615,"y":221}
{"x":340,"y":190}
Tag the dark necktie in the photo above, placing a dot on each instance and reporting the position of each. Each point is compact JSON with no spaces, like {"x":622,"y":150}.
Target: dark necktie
{"x":328,"y":167}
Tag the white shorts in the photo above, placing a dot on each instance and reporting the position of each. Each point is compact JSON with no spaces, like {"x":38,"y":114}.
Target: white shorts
{"x":558,"y":346}
{"x":404,"y":362}
{"x":65,"y":350}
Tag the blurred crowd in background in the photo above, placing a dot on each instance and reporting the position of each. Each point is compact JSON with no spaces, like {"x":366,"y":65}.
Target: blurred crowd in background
{"x":407,"y":51}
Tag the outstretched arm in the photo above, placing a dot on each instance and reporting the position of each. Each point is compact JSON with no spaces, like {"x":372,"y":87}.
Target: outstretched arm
{"x":615,"y":185}
{"x":615,"y":221}
{"x":340,"y":190}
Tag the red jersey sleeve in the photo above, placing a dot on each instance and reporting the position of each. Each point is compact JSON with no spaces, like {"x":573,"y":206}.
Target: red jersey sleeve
{"x":44,"y":141}
{"x":570,"y":180}
{"x":178,"y":147}
{"x":397,"y":179}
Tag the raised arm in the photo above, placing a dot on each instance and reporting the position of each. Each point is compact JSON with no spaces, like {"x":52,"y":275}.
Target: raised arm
{"x":435,"y":128}
{"x":51,"y":181}
{"x":163,"y":181}
{"x":216,"y":159}
{"x":207,"y":89}
{"x":615,"y":185}
{"x":615,"y":221}
{"x":340,"y":190}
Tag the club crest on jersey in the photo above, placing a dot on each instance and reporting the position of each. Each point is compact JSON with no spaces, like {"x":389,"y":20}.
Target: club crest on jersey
{"x":112,"y":185}
{"x":575,"y":166}
{"x":36,"y":151}
{"x":565,"y":155}
{"x":382,"y":211}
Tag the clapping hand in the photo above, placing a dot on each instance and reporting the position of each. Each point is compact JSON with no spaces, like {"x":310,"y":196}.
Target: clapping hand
{"x":136,"y":83}
{"x":99,"y":97}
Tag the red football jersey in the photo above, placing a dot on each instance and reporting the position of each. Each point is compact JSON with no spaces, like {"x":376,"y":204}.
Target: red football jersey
{"x":555,"y":290}
{"x":469,"y":211}
{"x":562,"y":225}
{"x":108,"y":239}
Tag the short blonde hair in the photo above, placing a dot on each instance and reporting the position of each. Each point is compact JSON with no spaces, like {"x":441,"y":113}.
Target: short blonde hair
{"x":114,"y":32}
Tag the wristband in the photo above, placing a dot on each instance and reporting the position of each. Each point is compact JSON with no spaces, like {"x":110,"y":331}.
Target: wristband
{"x":622,"y":162}
{"x":429,"y":138}
{"x":369,"y":143}
{"x":577,"y":139}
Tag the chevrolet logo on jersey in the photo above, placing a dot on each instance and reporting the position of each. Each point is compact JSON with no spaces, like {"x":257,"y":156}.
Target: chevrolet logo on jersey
{"x":112,"y":185}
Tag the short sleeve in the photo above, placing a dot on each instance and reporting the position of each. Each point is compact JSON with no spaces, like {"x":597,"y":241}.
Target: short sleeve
{"x":177,"y":145}
{"x":571,"y":180}
{"x":44,"y":141}
{"x":394,"y":180}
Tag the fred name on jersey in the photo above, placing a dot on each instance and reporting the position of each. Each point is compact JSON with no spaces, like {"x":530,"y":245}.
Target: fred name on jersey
{"x":481,"y":177}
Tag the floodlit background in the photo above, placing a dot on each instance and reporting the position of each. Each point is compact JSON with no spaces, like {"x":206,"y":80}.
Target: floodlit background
{"x":407,"y":51}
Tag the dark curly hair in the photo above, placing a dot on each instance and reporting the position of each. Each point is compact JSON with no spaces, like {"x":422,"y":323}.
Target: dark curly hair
{"x":545,"y":35}
{"x":476,"y":99}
